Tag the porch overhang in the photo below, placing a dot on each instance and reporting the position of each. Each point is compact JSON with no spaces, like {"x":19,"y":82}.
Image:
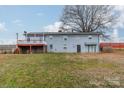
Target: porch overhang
{"x":90,"y":43}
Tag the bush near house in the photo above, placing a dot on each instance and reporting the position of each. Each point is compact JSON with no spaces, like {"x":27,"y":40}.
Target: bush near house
{"x":107,"y":49}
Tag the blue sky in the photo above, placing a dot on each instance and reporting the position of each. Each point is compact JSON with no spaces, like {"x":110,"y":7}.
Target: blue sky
{"x":17,"y":19}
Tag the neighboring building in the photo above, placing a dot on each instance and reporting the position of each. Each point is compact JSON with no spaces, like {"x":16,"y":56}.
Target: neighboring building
{"x":113,"y":45}
{"x":7,"y":49}
{"x":71,"y":42}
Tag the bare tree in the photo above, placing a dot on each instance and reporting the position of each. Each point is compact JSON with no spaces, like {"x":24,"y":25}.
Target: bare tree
{"x":88,"y":18}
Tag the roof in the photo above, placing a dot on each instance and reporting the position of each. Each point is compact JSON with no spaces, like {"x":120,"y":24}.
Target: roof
{"x":64,"y":33}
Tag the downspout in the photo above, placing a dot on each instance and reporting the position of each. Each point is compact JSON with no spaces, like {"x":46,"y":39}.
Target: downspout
{"x":98,"y":42}
{"x":43,"y":42}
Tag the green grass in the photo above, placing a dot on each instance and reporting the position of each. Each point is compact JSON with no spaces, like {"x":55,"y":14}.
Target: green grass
{"x":56,"y":70}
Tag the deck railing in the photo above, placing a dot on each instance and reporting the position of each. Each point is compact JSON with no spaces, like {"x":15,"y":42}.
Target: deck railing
{"x":30,"y":42}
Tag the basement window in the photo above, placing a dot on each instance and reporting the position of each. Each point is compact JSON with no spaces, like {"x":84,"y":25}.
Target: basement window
{"x":65,"y":38}
{"x":65,"y":47}
{"x":51,"y":46}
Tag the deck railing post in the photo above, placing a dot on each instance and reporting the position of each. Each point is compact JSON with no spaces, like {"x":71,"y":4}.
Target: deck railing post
{"x":30,"y":49}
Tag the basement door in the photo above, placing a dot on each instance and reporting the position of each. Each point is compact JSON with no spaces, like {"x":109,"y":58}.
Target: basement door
{"x":78,"y":48}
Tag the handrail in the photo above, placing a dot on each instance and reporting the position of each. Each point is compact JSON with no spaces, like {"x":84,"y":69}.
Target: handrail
{"x":30,"y":40}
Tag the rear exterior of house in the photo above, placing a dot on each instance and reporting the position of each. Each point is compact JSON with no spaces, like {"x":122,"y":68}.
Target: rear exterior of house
{"x":69,"y":42}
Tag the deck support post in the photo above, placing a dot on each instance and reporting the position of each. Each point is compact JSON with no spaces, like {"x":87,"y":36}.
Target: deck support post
{"x":30,"y":49}
{"x":43,"y":48}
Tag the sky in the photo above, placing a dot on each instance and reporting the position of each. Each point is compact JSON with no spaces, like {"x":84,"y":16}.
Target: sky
{"x":35,"y":18}
{"x":17,"y":19}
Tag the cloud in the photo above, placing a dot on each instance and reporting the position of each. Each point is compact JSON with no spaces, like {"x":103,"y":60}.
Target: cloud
{"x":39,"y":14}
{"x":120,"y":23}
{"x":7,"y":41}
{"x":2,"y":27}
{"x":114,"y":36}
{"x":53,"y":27}
{"x":18,"y":22}
{"x":120,"y":10}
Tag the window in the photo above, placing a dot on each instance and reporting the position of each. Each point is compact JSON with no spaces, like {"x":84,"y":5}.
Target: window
{"x":28,"y":39}
{"x":65,"y":47}
{"x":51,"y":46}
{"x":65,"y":38}
{"x":40,"y":39}
{"x":51,"y":37}
{"x":89,"y":37}
{"x":65,"y":44}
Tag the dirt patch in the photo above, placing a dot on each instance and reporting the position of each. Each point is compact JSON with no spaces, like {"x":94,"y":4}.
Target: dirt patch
{"x":2,"y":57}
{"x":105,"y":57}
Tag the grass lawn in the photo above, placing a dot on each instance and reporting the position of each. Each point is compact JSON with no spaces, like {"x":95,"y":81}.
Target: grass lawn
{"x":62,"y":70}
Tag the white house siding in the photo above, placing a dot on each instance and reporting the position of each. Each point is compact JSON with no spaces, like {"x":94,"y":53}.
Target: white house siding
{"x":71,"y":43}
{"x":73,"y":39}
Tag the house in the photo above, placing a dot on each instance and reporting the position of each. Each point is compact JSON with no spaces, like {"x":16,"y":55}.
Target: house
{"x":70,"y":42}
